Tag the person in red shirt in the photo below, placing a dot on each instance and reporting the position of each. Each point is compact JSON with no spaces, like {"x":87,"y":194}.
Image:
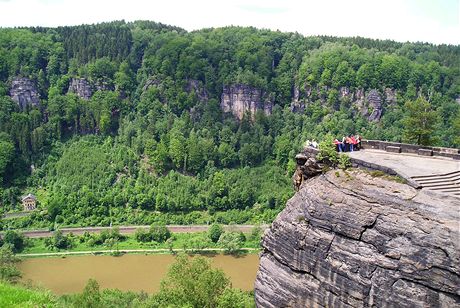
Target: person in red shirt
{"x":354,"y":142}
{"x":339,"y":145}
{"x":350,"y":143}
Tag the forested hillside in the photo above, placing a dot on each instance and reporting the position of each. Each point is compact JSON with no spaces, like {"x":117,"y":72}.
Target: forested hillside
{"x":143,"y":122}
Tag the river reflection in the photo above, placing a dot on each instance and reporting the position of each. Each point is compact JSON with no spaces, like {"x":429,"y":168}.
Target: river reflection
{"x":128,"y":272}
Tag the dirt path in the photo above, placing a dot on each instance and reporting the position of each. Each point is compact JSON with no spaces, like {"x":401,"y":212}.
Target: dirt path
{"x":131,"y":229}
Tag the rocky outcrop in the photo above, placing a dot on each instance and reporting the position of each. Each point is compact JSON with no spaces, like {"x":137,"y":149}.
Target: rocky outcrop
{"x":151,"y":82}
{"x":24,"y":92}
{"x":104,"y":85}
{"x":369,"y":103}
{"x":81,"y":87}
{"x":373,"y":108}
{"x":240,"y":99}
{"x":196,"y":87}
{"x":347,"y":239}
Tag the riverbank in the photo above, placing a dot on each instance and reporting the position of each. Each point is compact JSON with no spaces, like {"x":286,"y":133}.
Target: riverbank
{"x":115,"y":244}
{"x":113,"y":252}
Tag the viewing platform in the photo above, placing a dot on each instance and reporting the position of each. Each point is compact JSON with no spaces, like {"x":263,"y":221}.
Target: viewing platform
{"x":435,"y":173}
{"x":423,"y":167}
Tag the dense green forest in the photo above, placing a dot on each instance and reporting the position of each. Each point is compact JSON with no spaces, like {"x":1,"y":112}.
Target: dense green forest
{"x":148,"y":147}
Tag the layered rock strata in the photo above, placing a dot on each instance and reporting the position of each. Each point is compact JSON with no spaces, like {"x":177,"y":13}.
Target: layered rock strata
{"x":241,"y":99}
{"x":347,"y":239}
{"x":24,"y":92}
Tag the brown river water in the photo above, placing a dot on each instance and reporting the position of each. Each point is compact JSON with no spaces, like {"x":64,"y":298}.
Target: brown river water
{"x":133,"y":272}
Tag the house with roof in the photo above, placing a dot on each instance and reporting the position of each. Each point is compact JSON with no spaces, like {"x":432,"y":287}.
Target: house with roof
{"x":29,"y":202}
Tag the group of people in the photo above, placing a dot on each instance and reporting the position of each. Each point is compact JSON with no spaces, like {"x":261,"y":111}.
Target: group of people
{"x":348,"y":144}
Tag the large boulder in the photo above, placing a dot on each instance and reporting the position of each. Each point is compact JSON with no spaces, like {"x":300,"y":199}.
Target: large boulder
{"x":347,"y":239}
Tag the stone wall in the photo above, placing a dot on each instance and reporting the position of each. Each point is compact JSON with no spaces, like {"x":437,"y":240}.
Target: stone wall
{"x":411,"y":148}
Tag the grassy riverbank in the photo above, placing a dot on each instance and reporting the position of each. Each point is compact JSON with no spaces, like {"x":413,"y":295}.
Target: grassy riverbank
{"x":178,"y":242}
{"x":19,"y":296}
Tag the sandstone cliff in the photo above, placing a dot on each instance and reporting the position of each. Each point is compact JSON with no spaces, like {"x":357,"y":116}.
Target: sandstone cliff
{"x":368,"y":103}
{"x":240,"y":99}
{"x":24,"y":92}
{"x":81,"y":87}
{"x":347,"y":239}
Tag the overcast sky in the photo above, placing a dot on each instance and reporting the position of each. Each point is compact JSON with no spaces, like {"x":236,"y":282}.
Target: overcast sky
{"x":435,"y":21}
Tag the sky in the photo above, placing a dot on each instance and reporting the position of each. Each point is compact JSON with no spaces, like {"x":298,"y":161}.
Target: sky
{"x":434,"y":21}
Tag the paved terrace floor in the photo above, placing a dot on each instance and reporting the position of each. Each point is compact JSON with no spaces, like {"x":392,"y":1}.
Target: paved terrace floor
{"x":409,"y":164}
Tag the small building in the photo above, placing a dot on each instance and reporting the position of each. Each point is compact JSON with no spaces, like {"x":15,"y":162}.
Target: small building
{"x":29,"y":202}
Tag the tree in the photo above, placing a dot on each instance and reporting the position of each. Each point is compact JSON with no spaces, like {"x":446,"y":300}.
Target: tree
{"x":6,"y":154}
{"x":90,"y":297}
{"x":420,"y":121}
{"x":61,"y":241}
{"x":177,"y":148}
{"x":15,"y":239}
{"x":191,"y":282}
{"x":231,"y":242}
{"x":8,"y":270}
{"x":215,"y":231}
{"x":235,"y":298}
{"x":159,"y":233}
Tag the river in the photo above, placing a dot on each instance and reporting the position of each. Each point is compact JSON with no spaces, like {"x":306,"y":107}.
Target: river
{"x":133,"y":272}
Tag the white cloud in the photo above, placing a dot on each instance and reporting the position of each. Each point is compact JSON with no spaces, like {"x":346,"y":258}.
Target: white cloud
{"x":405,"y":20}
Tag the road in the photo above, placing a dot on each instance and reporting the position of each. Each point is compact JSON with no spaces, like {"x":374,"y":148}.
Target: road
{"x":132,"y":229}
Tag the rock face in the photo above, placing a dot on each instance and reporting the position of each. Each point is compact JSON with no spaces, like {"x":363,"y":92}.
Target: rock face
{"x":369,"y":103}
{"x":81,"y":87}
{"x":351,"y":240}
{"x":24,"y":92}
{"x":240,"y":99}
{"x":373,"y":110}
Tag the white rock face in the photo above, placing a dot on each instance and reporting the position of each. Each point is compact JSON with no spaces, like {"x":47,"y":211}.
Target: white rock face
{"x":24,"y":92}
{"x":240,"y":99}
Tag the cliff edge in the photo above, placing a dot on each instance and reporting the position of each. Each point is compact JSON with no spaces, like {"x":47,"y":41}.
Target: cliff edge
{"x":348,"y":239}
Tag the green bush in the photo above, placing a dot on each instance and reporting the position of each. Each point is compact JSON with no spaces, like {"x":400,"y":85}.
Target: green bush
{"x":215,"y":231}
{"x":156,"y":233}
{"x":327,"y":152}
